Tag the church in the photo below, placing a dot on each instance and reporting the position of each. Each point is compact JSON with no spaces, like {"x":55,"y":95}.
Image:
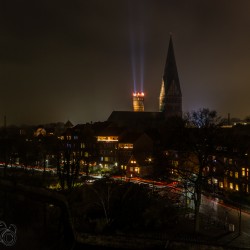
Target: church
{"x":170,"y":100}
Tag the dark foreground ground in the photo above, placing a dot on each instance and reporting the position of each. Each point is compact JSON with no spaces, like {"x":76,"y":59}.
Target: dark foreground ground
{"x":181,"y":237}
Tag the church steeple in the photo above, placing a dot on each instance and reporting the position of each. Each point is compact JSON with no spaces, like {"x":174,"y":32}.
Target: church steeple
{"x":170,"y":95}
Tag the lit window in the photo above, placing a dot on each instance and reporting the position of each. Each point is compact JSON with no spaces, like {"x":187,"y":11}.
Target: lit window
{"x":236,"y":175}
{"x":137,"y":170}
{"x":231,"y":186}
{"x":131,"y":169}
{"x":231,"y":173}
{"x":236,"y":187}
{"x":230,"y":161}
{"x":243,"y":173}
{"x":221,"y":184}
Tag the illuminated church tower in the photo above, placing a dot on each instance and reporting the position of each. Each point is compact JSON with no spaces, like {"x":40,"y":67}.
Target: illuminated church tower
{"x":138,"y":102}
{"x":170,"y":95}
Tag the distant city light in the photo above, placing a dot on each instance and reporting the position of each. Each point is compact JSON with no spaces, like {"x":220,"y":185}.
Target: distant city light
{"x":138,"y":94}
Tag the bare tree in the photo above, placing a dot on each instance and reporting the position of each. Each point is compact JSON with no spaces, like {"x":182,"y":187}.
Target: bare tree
{"x":198,"y":146}
{"x":68,"y":170}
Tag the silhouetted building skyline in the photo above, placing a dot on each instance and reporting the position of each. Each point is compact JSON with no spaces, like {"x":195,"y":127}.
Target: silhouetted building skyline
{"x":170,"y":100}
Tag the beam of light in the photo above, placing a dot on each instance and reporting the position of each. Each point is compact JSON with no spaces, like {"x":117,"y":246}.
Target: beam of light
{"x":141,"y":60}
{"x":137,"y":64}
{"x":133,"y":58}
{"x":131,"y":9}
{"x":136,"y":30}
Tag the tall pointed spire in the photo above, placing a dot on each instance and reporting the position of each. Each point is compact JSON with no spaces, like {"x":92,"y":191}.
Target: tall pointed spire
{"x":170,"y":95}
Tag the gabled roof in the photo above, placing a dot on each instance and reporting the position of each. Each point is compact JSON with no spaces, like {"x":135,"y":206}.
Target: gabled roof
{"x":140,"y":159}
{"x":69,"y":124}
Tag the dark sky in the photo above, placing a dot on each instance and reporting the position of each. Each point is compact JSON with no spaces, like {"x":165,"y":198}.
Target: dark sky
{"x":63,"y":60}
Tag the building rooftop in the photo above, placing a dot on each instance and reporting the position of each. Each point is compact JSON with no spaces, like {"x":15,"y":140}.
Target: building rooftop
{"x":136,"y":119}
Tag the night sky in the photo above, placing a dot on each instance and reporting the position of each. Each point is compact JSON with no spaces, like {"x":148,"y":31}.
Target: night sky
{"x":73,"y":59}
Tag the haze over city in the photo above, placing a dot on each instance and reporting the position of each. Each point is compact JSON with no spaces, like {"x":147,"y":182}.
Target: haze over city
{"x":63,"y":60}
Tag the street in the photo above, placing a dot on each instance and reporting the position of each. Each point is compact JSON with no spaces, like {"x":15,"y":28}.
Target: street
{"x":234,"y":220}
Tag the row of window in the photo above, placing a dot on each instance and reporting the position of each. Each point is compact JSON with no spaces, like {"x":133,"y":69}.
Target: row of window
{"x":72,"y":145}
{"x":236,"y":187}
{"x":125,"y":146}
{"x":69,"y":137}
{"x":131,"y":169}
{"x":107,"y":138}
{"x":235,"y":174}
{"x":107,"y":159}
